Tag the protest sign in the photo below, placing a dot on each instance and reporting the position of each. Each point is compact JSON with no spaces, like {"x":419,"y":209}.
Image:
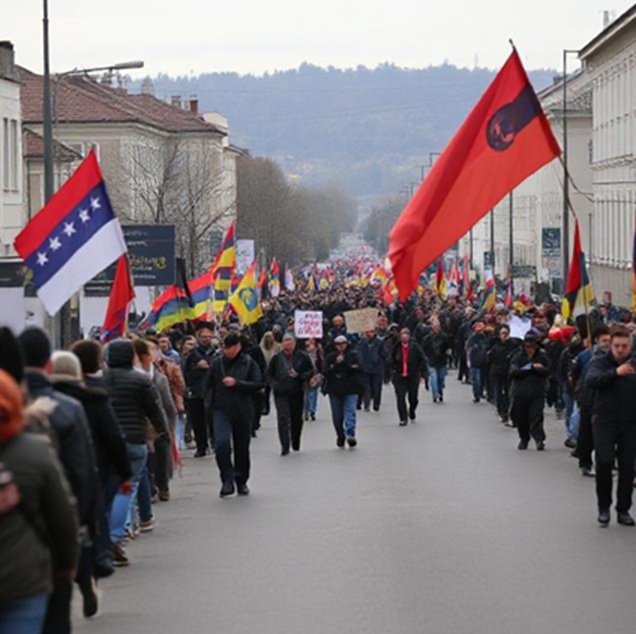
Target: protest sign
{"x":361,"y":320}
{"x":308,"y":324}
{"x":519,"y":327}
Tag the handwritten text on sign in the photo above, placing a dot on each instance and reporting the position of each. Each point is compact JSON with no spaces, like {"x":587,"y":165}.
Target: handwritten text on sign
{"x":308,"y":324}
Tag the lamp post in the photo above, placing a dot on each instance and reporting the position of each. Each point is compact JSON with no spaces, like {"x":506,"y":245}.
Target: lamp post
{"x":566,"y":174}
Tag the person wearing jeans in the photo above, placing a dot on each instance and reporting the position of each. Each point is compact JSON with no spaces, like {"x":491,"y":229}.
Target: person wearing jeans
{"x":438,"y":382}
{"x":24,"y":616}
{"x":373,"y":355}
{"x":342,"y":371}
{"x":436,"y":346}
{"x":126,"y":496}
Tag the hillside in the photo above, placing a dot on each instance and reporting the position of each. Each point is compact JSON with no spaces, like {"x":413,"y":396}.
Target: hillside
{"x":369,"y":129}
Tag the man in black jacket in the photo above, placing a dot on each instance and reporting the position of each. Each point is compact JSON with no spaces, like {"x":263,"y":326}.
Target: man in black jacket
{"x":499,"y":357}
{"x":436,"y":346}
{"x":408,"y":366}
{"x":529,"y":372}
{"x":372,"y":355}
{"x":613,"y":377}
{"x":75,"y":449}
{"x":135,"y":400}
{"x":230,"y":385}
{"x":287,"y":373}
{"x":196,"y":368}
{"x":342,"y":371}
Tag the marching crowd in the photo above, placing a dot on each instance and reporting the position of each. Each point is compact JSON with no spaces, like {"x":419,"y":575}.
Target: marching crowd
{"x":90,"y":437}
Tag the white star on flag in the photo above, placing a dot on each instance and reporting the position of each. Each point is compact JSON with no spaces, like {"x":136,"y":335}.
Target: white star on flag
{"x":95,"y":204}
{"x":83,"y":215}
{"x":69,"y":229}
{"x":54,"y":244}
{"x":42,"y":259}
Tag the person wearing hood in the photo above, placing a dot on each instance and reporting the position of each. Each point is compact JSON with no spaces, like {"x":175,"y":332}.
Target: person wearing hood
{"x":72,"y":437}
{"x":135,"y":400}
{"x":110,"y":451}
{"x":38,"y":519}
{"x":529,"y":372}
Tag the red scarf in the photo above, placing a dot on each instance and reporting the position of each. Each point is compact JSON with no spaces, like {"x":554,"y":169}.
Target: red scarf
{"x":405,"y":359}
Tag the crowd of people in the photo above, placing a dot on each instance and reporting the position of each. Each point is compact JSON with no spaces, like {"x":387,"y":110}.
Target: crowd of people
{"x":91,"y":436}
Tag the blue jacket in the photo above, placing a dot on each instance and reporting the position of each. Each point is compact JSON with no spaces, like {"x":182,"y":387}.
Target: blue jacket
{"x":372,"y":355}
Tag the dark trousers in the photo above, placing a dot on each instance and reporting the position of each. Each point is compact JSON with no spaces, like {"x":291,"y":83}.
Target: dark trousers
{"x":614,"y":441}
{"x":258,"y":401}
{"x":527,"y":416}
{"x":232,"y":434}
{"x":201,"y":423}
{"x":58,"y":613}
{"x":163,"y":463}
{"x":585,"y":441}
{"x":502,"y":394}
{"x":406,"y":387}
{"x":289,"y":411}
{"x":372,"y":391}
{"x":463,"y":373}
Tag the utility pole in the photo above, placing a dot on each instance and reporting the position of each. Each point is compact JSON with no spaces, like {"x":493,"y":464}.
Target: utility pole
{"x":565,"y":240}
{"x":492,"y":241}
{"x":47,"y":113}
{"x":511,"y":243}
{"x":471,"y":248}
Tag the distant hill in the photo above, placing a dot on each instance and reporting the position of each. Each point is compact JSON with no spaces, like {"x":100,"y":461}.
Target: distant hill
{"x":368,"y":129}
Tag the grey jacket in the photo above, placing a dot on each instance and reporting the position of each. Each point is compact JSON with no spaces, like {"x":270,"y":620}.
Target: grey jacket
{"x":46,"y":513}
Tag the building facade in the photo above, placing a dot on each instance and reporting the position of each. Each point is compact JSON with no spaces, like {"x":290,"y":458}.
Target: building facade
{"x":610,"y":64}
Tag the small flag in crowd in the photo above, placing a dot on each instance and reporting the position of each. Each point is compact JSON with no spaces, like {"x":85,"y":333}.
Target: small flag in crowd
{"x":579,"y":294}
{"x":223,"y":270}
{"x":274,"y":279}
{"x":174,"y":306}
{"x":290,"y":283}
{"x":440,"y":280}
{"x":74,"y":237}
{"x":121,"y":294}
{"x":246,"y":301}
{"x":490,"y":294}
{"x":202,"y":289}
{"x":505,"y":139}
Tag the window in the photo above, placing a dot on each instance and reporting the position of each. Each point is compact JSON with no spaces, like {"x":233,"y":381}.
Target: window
{"x":6,"y":171}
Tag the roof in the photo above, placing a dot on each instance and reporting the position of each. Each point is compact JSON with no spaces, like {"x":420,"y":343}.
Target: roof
{"x":34,"y":148}
{"x":612,"y":30}
{"x":579,"y":94}
{"x":80,"y":100}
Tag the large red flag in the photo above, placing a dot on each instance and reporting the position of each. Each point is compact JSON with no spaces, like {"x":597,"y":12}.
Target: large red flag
{"x":121,"y":294}
{"x":505,"y":139}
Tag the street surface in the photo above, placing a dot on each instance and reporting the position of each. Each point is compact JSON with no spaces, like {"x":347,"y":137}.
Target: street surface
{"x":440,"y":527}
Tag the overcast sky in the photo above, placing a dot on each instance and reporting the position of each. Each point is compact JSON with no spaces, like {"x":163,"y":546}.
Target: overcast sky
{"x":193,"y":36}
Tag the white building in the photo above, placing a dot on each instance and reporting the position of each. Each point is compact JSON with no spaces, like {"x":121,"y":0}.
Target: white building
{"x":11,"y":198}
{"x":610,"y":64}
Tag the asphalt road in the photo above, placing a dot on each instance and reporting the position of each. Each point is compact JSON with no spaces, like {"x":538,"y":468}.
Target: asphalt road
{"x":439,"y":527}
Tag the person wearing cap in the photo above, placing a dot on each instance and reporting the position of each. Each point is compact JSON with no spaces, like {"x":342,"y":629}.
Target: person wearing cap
{"x":343,"y":374}
{"x":287,"y":373}
{"x":477,"y":352}
{"x":230,"y":386}
{"x":408,"y":365}
{"x":38,"y":523}
{"x":529,"y":373}
{"x":196,"y":368}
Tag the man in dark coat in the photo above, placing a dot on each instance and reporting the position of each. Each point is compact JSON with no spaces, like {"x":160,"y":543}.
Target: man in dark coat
{"x":408,"y":366}
{"x":372,"y":355}
{"x":436,"y":346}
{"x":342,"y":372}
{"x":613,"y":378}
{"x":197,"y":365}
{"x":529,"y":372}
{"x":230,"y":386}
{"x":499,"y":357}
{"x":287,"y":373}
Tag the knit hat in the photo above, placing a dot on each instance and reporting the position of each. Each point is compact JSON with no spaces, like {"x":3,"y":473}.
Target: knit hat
{"x":11,"y":410}
{"x":67,"y":365}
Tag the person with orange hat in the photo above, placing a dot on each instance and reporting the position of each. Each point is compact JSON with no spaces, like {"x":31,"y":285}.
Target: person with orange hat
{"x":38,"y":527}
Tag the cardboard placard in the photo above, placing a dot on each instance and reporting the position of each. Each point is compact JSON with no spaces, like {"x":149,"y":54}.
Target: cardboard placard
{"x":361,"y":320}
{"x":308,"y":324}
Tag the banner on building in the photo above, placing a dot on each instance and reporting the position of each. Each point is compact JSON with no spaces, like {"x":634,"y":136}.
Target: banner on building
{"x":308,"y":324}
{"x":151,"y":252}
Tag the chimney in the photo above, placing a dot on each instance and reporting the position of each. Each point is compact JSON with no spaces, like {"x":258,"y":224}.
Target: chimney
{"x":607,"y":19}
{"x":7,"y":61}
{"x":175,"y":101}
{"x":194,"y":106}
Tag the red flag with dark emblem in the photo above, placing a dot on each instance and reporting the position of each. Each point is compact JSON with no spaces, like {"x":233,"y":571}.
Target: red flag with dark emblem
{"x":505,"y":139}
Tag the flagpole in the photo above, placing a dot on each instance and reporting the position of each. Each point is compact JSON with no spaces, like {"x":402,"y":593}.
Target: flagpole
{"x":511,"y":243}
